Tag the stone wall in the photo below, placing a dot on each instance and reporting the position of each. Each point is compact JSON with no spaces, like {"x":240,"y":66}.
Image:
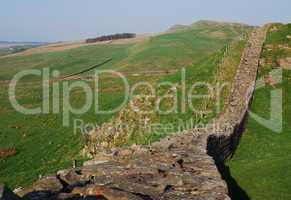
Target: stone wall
{"x":178,"y":167}
{"x":223,"y":141}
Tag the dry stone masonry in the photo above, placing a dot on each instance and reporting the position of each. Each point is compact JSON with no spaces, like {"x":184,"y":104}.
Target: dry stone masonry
{"x":222,"y":143}
{"x":179,"y":167}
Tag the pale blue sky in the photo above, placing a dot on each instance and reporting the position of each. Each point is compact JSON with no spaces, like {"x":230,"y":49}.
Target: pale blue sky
{"x":55,"y":20}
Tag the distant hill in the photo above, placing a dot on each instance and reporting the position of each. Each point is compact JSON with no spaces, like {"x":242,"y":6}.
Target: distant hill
{"x":7,"y":47}
{"x":165,"y":51}
{"x":217,"y":23}
{"x":178,"y":27}
{"x":206,"y":24}
{"x":8,"y":44}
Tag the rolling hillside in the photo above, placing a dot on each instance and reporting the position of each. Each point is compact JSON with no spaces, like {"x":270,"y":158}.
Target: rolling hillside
{"x":43,"y":145}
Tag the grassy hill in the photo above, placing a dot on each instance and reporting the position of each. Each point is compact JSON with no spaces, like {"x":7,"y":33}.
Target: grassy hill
{"x":261,"y":165}
{"x":43,"y":145}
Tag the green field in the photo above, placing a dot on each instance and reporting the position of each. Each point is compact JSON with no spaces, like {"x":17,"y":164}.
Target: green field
{"x":44,"y":145}
{"x":261,"y":165}
{"x":217,"y":69}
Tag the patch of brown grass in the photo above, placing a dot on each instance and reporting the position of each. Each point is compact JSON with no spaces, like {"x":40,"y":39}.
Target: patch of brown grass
{"x":4,"y":111}
{"x":217,"y":34}
{"x":285,"y":63}
{"x":4,"y":153}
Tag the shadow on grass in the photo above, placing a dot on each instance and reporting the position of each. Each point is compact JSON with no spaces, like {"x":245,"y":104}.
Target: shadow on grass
{"x":234,"y":190}
{"x":223,"y":147}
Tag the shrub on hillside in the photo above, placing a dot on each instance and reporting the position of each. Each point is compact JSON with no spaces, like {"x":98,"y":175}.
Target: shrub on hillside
{"x":111,"y":37}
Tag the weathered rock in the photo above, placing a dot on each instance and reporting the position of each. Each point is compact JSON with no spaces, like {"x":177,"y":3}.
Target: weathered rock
{"x":70,"y":177}
{"x":51,"y":184}
{"x":44,"y":188}
{"x":6,"y":194}
{"x":94,"y":162}
{"x":125,"y":152}
{"x":105,"y":192}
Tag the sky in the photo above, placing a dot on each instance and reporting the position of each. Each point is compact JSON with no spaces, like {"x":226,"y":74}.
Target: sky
{"x":65,"y":20}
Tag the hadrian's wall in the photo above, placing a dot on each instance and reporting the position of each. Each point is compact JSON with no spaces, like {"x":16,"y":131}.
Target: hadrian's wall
{"x":179,"y":167}
{"x":222,"y":142}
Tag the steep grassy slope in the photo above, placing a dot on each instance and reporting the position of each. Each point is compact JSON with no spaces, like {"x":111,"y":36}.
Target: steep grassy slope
{"x":66,"y":62}
{"x":178,"y":110}
{"x":261,"y":165}
{"x":184,"y":47}
{"x":217,"y":69}
{"x":44,"y":145}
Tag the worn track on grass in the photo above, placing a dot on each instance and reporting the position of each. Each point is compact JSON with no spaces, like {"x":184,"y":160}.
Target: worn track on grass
{"x":178,"y":167}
